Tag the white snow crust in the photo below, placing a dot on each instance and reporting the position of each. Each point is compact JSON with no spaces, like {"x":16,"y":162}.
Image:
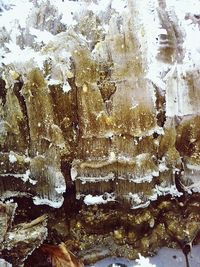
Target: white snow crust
{"x":165,"y":257}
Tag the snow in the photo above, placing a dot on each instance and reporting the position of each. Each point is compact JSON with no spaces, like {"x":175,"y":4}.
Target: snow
{"x":157,"y":129}
{"x":92,"y":179}
{"x":102,"y":5}
{"x":145,"y":178}
{"x":165,"y":257}
{"x":119,"y":5}
{"x":143,"y":262}
{"x":4,"y":263}
{"x":66,"y":87}
{"x":102,"y":199}
{"x":16,"y":15}
{"x":13,"y":19}
{"x":170,"y":190}
{"x":193,"y":167}
{"x":61,"y":189}
{"x":156,"y":69}
{"x":24,"y":176}
{"x":73,"y":173}
{"x":45,"y":201}
{"x":135,"y":197}
{"x":138,"y":202}
{"x":162,"y":166}
{"x":68,"y":9}
{"x":22,"y":58}
{"x":41,"y":36}
{"x":17,"y":23}
{"x":12,"y":158}
{"x":112,"y":157}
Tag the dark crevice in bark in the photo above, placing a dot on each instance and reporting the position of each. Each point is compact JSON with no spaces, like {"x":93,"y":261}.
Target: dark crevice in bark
{"x":160,"y":105}
{"x":75,"y":109}
{"x":25,"y":125}
{"x":2,"y":91}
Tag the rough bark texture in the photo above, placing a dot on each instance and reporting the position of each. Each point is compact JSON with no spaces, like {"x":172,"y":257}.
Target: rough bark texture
{"x":105,"y":115}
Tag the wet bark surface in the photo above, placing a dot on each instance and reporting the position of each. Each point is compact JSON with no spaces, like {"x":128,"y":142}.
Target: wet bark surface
{"x":99,"y":131}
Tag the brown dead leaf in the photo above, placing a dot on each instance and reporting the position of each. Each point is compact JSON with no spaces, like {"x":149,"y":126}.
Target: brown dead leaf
{"x":60,"y":256}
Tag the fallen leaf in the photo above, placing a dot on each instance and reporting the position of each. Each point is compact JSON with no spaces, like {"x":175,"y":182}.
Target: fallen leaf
{"x":60,"y":256}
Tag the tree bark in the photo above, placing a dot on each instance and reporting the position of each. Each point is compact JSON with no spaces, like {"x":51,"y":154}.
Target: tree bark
{"x":100,"y":120}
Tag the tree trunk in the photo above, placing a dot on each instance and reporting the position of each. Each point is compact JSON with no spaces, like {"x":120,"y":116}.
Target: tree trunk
{"x":99,"y":123}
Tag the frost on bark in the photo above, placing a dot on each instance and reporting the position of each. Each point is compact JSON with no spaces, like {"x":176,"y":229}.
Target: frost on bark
{"x":99,"y":101}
